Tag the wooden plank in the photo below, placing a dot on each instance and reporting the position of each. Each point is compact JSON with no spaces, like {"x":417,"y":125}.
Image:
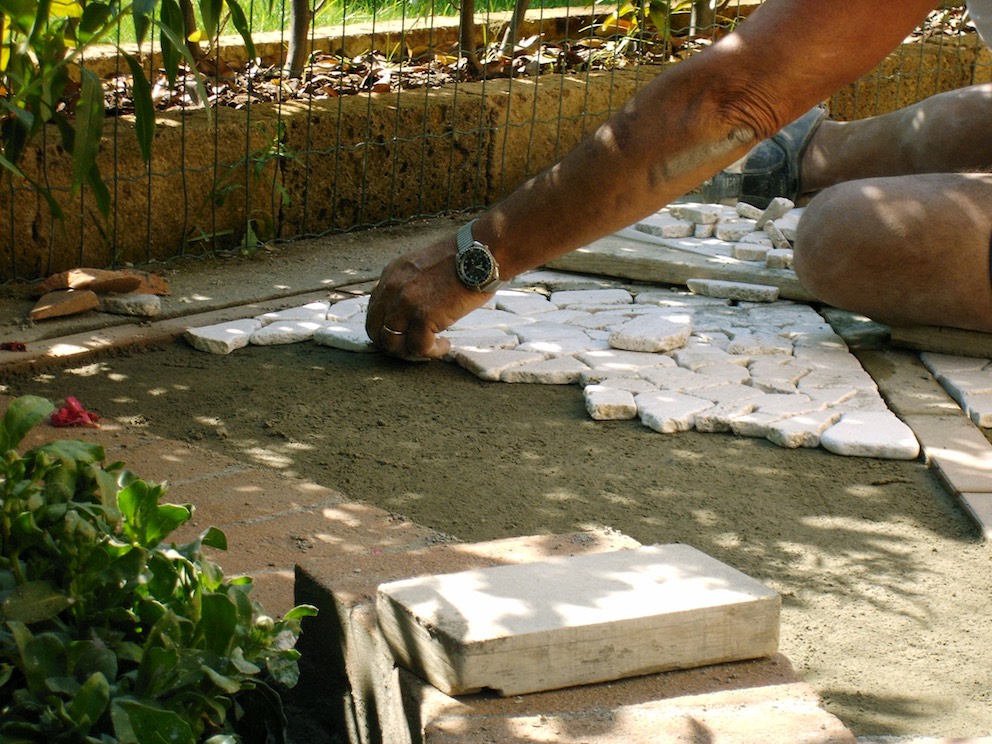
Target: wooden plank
{"x":670,"y":261}
{"x":576,"y":620}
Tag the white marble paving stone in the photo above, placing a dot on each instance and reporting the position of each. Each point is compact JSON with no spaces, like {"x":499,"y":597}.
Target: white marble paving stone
{"x":728,"y":373}
{"x":788,"y":223}
{"x":523,"y":303}
{"x":784,"y":405}
{"x":708,"y":339}
{"x":822,"y":336}
{"x":484,"y":339}
{"x":832,"y":377}
{"x":674,"y":378}
{"x":831,"y":397}
{"x":751,"y":251}
{"x":555,"y":371}
{"x":652,"y":333}
{"x":703,"y":231}
{"x":757,"y":238}
{"x":971,"y":382}
{"x":602,"y":321}
{"x":728,"y":393}
{"x":348,"y":309}
{"x":565,"y":298}
{"x":803,"y":430}
{"x":485,"y":318}
{"x":222,"y":338}
{"x":718,"y":418}
{"x":978,"y":407}
{"x":664,"y":225}
{"x":630,"y":384}
{"x":733,"y":290}
{"x":759,"y":344}
{"x":704,"y":214}
{"x":564,"y":316}
{"x":345,"y":335}
{"x":669,"y":412}
{"x":566,"y":346}
{"x":311,"y":311}
{"x":609,"y":403}
{"x":871,"y":434}
{"x":619,"y":360}
{"x":940,"y":364}
{"x":777,"y":207}
{"x":539,"y":330}
{"x":733,"y":230}
{"x":602,"y":376}
{"x":678,"y":299}
{"x":490,"y":365}
{"x":286,"y":332}
{"x":748,"y":211}
{"x":755,"y":424}
{"x":775,"y":235}
{"x":698,"y":357}
{"x":862,"y":400}
{"x":779,"y":258}
{"x":554,"y":281}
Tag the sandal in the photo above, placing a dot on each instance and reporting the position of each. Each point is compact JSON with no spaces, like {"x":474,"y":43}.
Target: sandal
{"x":771,"y":169}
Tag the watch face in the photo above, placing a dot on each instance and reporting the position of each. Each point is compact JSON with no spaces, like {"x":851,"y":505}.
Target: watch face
{"x":475,"y":266}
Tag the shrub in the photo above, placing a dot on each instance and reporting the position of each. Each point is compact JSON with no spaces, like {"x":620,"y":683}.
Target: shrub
{"x":107,"y":634}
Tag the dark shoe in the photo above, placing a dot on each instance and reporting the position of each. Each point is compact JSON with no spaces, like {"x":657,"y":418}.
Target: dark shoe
{"x":771,"y":169}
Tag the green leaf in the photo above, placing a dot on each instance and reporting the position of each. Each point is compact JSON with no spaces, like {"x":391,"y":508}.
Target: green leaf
{"x":90,"y":702}
{"x":90,"y":114}
{"x":144,"y":109}
{"x":172,"y":30}
{"x":145,"y":522}
{"x":210,"y":11}
{"x":214,"y":538}
{"x":228,"y":685}
{"x":21,"y":416}
{"x":218,"y":623}
{"x":241,"y":24}
{"x":142,"y":11}
{"x":71,"y":452}
{"x":300,"y":611}
{"x":140,"y":723}
{"x":34,"y":602}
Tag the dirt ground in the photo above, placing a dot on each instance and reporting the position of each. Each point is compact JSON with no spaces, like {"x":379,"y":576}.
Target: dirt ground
{"x":885,"y":584}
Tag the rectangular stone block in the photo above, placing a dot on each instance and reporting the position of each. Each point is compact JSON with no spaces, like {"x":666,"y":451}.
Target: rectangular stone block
{"x":573,"y":621}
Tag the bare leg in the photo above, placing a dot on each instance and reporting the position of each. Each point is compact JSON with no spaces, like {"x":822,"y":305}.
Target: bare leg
{"x":946,"y":133}
{"x":910,"y":250}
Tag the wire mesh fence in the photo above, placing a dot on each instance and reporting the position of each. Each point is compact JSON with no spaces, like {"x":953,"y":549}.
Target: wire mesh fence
{"x":394,"y":114}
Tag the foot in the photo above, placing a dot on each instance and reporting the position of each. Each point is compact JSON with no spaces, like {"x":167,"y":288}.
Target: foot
{"x":771,"y":169}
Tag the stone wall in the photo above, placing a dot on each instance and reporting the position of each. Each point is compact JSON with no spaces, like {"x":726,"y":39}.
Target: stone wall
{"x":357,"y":160}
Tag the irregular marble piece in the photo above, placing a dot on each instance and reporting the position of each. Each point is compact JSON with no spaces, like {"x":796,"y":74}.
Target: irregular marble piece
{"x":286,"y":332}
{"x":609,"y":403}
{"x":652,"y":333}
{"x":311,"y":311}
{"x":554,"y":371}
{"x":733,"y":290}
{"x":347,"y":336}
{"x":222,"y":338}
{"x":871,"y":434}
{"x":668,"y":412}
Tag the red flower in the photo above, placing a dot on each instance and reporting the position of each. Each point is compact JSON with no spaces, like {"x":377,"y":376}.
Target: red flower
{"x":73,"y":414}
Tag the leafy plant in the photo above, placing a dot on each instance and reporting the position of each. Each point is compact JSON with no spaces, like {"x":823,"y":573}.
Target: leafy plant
{"x":107,"y":634}
{"x":41,"y":45}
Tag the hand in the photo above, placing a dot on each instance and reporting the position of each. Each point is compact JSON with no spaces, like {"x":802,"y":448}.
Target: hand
{"x":417,"y":297}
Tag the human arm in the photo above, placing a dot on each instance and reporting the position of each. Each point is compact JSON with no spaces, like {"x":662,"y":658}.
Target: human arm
{"x":690,"y":121}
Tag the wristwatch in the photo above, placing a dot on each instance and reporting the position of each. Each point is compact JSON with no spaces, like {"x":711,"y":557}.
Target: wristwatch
{"x":475,"y":264}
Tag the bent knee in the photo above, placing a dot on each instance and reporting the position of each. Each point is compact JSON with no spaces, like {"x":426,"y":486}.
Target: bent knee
{"x":827,"y":238}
